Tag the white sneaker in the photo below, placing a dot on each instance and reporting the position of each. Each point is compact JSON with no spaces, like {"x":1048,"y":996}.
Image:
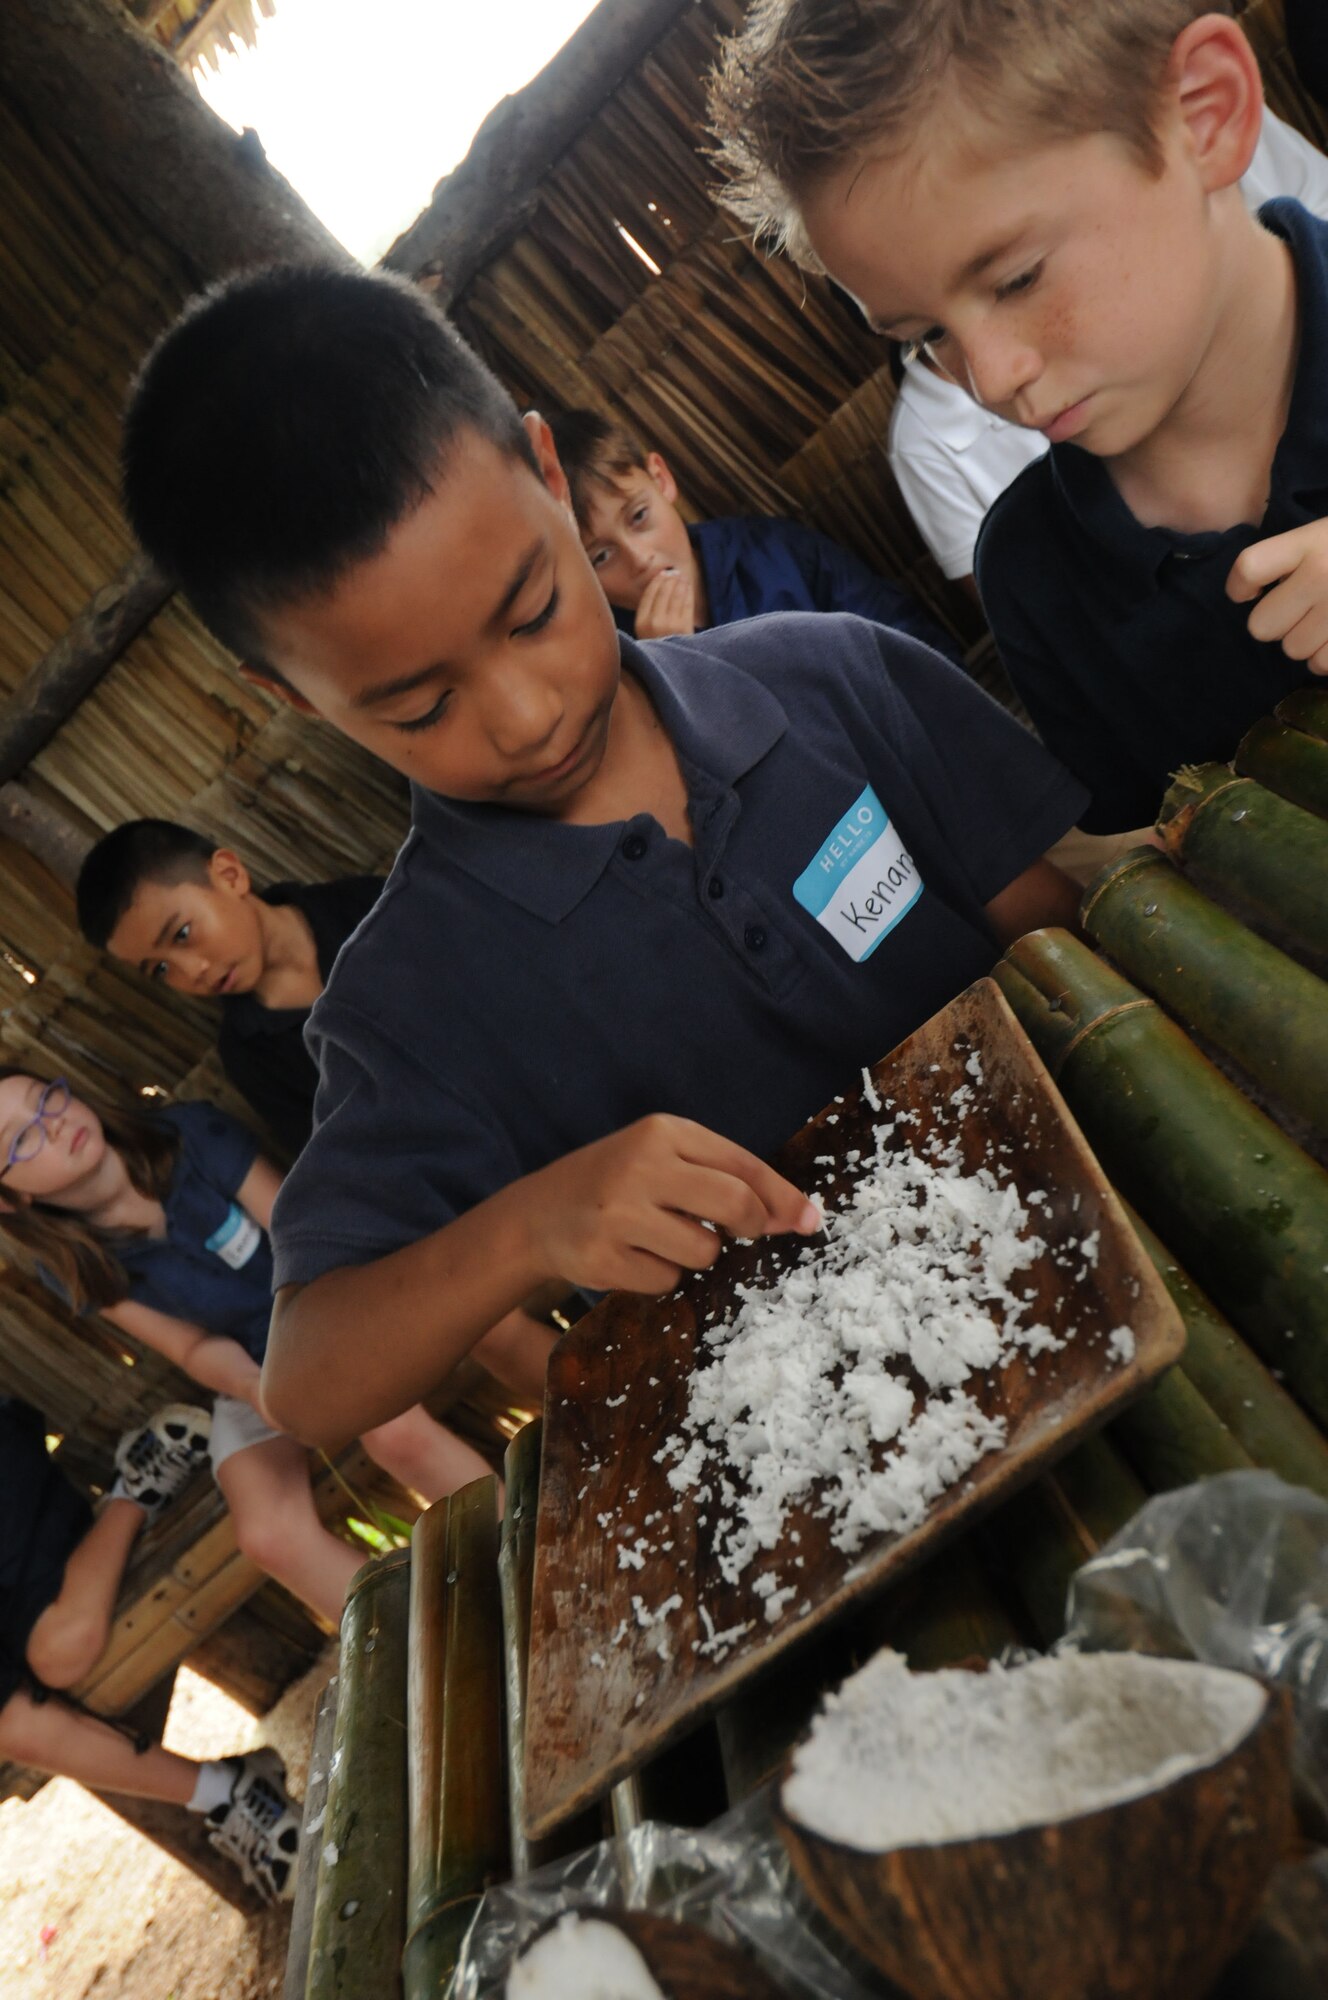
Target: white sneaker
{"x":158,"y":1461}
{"x":258,"y":1828}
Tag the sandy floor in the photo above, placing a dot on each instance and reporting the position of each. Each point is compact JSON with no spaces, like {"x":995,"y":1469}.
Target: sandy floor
{"x":128,"y":1922}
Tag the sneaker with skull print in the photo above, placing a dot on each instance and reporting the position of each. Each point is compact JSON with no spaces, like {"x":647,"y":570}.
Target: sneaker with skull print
{"x":158,"y":1461}
{"x":258,"y":1828}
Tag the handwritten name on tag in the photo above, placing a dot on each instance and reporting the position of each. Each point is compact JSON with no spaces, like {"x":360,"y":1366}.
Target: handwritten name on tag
{"x":862,"y":880}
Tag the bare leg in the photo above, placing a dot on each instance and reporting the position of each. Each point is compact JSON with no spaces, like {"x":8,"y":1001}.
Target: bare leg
{"x":70,"y":1636}
{"x":516,"y":1351}
{"x":276,"y":1523}
{"x":423,"y":1454}
{"x":51,"y":1737}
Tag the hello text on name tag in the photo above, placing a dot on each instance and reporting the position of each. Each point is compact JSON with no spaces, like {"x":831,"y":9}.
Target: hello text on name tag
{"x":862,"y":880}
{"x":237,"y":1238}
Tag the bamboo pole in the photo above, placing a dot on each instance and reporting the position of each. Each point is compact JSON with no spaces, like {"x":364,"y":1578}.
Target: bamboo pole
{"x":457,"y":1784}
{"x":1219,"y":977}
{"x":1307,"y":710}
{"x":355,"y":1946}
{"x":1050,"y":1529}
{"x":1257,"y":852}
{"x":1287,"y":761}
{"x":1215,"y":1176}
{"x":1267,"y":1425}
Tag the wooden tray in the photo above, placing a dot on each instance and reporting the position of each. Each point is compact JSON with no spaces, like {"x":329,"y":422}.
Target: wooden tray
{"x":600,"y":1698}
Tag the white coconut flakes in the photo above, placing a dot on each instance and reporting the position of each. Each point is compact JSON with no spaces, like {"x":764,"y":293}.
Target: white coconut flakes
{"x":871,"y":1340}
{"x":905,"y":1760}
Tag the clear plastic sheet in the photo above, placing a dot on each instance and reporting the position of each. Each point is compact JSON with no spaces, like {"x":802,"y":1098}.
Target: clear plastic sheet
{"x":732,"y":1879}
{"x":1232,"y":1571}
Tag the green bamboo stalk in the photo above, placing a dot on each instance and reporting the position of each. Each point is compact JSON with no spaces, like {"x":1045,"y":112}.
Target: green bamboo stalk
{"x":1172,"y":1437}
{"x":359,"y":1905}
{"x":1306,"y":709}
{"x":1220,"y":978}
{"x":1287,"y":761}
{"x":1240,"y":1203}
{"x":1266,"y":1424}
{"x":1050,"y":1529}
{"x":516,"y":1566}
{"x":458,"y":1787}
{"x":1267,"y":858}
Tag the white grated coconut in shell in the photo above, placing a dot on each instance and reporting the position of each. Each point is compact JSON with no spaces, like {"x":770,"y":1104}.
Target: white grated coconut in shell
{"x":906,"y":1760}
{"x":582,"y":1957}
{"x":918,"y":1272}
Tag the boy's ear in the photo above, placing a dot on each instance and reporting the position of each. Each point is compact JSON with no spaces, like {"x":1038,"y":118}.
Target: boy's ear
{"x":658,"y":468}
{"x":1218,"y":93}
{"x":283,"y":691}
{"x":227,"y":872}
{"x":546,"y":458}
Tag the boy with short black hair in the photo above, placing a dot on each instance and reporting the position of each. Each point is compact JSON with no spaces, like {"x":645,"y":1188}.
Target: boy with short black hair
{"x":186,"y":912}
{"x":648,"y":918}
{"x":664,"y":577}
{"x":1045,"y":195}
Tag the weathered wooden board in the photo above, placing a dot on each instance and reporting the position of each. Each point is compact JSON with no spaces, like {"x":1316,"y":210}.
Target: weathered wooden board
{"x":602,"y":1697}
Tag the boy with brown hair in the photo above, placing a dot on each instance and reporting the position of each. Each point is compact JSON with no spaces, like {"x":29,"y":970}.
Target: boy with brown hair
{"x":648,"y":918}
{"x":189,"y":914}
{"x":1044,"y":195}
{"x":665,"y":578}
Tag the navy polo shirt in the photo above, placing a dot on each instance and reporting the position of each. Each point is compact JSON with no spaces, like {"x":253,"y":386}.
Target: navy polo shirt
{"x":214,"y":1265}
{"x":756,"y":563}
{"x":262,"y":1048}
{"x":1121,"y":639}
{"x":524,"y":986}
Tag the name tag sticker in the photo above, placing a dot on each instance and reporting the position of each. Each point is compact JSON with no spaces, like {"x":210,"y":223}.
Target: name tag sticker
{"x":862,"y":880}
{"x":236,"y":1239}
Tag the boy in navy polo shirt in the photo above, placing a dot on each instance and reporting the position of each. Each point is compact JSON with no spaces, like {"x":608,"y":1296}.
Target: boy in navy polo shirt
{"x":658,"y":903}
{"x":1047,"y":200}
{"x":186,"y":912}
{"x":664,"y":578}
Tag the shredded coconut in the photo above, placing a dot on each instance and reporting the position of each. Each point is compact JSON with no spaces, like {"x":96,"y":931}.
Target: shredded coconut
{"x":872,"y":1340}
{"x":900,"y":1759}
{"x":1120,"y":1344}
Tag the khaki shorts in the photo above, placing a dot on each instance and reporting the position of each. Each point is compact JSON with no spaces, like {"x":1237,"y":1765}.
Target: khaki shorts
{"x":236,"y":1426}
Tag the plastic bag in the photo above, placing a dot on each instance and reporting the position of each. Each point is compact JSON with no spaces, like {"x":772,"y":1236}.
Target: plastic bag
{"x":1234,"y":1572}
{"x":732,"y":1879}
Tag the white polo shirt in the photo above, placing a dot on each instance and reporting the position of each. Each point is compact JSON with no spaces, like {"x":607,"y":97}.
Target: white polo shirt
{"x":952,"y":458}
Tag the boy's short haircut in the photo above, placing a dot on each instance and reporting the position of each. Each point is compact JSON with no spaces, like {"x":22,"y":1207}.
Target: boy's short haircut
{"x":285,"y":424}
{"x":593,"y":450}
{"x":810,"y":86}
{"x":142,"y":850}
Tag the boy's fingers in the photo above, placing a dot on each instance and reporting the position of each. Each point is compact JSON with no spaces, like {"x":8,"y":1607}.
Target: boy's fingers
{"x":1264,"y":562}
{"x":786,"y":1207}
{"x":1308,"y":638}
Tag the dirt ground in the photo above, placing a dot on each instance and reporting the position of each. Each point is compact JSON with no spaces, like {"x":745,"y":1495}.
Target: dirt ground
{"x":121,"y":1920}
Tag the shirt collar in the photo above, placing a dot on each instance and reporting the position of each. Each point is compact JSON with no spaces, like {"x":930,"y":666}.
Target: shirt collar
{"x":1300,"y":463}
{"x":722,"y":722}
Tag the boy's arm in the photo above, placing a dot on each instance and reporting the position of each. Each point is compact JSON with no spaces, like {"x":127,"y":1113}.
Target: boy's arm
{"x":628,"y":1211}
{"x":1041,"y":896}
{"x":213,"y":1359}
{"x":1288,"y":574}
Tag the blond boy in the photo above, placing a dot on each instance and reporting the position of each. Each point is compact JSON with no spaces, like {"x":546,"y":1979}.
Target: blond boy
{"x":1044,"y":195}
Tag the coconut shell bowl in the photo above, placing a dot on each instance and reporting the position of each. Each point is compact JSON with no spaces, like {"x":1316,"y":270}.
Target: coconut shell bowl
{"x":1103,"y":1830}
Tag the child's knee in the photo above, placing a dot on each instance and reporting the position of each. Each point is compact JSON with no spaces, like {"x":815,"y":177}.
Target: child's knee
{"x":65,"y":1645}
{"x":402,"y":1444}
{"x":268,"y":1539}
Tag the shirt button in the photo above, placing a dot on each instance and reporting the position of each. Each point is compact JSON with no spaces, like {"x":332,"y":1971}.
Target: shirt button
{"x":715,"y":887}
{"x":753,"y":937}
{"x":634,"y":846}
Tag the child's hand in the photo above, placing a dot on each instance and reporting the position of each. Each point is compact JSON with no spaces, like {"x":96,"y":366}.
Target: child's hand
{"x":668,"y":606}
{"x":1296,"y":610}
{"x":630,"y":1211}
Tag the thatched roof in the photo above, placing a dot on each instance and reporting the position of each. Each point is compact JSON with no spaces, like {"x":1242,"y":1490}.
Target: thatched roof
{"x":195,"y":32}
